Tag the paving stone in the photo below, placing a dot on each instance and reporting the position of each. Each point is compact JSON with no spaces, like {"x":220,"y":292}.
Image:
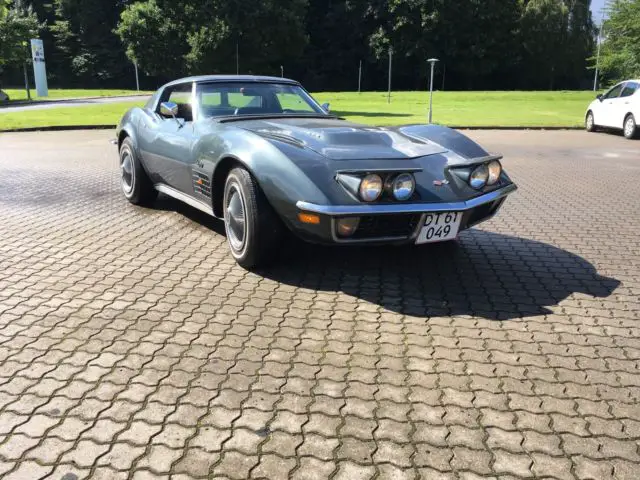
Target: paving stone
{"x":352,"y":471}
{"x":133,"y":346}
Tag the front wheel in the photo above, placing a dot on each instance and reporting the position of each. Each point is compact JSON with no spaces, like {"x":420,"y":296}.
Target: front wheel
{"x":589,"y":123}
{"x":135,"y":183}
{"x":253,"y":229}
{"x":630,"y":127}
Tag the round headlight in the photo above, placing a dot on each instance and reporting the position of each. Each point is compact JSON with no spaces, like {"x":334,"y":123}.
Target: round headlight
{"x":495,"y":169}
{"x":479,"y":177}
{"x":370,"y":187}
{"x":403,"y":186}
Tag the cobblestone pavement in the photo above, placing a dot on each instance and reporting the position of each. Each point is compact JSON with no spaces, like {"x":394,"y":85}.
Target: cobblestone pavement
{"x":132,"y":346}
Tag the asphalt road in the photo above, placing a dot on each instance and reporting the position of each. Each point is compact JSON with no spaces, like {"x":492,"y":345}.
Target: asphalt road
{"x":76,"y":102}
{"x":132,"y":345}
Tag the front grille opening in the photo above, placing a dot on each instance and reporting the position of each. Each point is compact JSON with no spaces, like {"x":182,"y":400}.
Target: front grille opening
{"x":378,"y":226}
{"x":483,"y":211}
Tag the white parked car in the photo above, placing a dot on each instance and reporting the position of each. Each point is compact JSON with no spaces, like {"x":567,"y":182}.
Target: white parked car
{"x":618,"y":108}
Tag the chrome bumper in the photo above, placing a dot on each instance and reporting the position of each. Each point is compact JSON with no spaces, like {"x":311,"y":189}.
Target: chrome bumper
{"x":340,"y":210}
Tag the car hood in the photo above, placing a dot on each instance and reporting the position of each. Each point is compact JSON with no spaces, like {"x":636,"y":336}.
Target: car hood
{"x":341,"y":140}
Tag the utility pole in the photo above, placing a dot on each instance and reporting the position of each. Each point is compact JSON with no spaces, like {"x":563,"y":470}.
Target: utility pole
{"x":281,"y":71}
{"x":359,"y":76}
{"x":432,"y":61}
{"x":389,"y":87}
{"x":237,"y":60}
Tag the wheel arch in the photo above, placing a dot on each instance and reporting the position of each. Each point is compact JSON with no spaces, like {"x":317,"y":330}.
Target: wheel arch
{"x":121,"y":136}
{"x":219,"y":177}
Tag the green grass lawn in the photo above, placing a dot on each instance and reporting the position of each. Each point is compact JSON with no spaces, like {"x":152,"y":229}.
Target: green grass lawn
{"x":506,"y":109}
{"x":55,"y":93}
{"x":99,"y":114}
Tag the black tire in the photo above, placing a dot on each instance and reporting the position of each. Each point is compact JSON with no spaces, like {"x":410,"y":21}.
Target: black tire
{"x":630,"y":128}
{"x":135,"y":184}
{"x":589,"y":122}
{"x":252,"y":226}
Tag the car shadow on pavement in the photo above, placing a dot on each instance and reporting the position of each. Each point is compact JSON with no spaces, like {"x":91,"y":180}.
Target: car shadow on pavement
{"x":482,"y":274}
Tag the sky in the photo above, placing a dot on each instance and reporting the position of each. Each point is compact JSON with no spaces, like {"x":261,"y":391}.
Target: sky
{"x":596,"y":7}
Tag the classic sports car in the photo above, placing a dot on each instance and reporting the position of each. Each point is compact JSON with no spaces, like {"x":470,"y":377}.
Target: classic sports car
{"x":262,"y":154}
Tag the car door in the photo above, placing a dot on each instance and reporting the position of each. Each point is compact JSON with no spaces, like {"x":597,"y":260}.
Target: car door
{"x":610,"y":104}
{"x":626,"y":103}
{"x":166,"y":141}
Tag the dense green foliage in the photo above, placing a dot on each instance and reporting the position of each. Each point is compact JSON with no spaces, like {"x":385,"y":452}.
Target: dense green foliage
{"x":482,"y":44}
{"x":620,"y":56}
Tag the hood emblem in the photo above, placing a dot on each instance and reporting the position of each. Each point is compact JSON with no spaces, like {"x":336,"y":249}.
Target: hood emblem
{"x":439,"y":183}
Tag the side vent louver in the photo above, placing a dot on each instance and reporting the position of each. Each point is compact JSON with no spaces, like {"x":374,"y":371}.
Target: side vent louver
{"x":201,"y":184}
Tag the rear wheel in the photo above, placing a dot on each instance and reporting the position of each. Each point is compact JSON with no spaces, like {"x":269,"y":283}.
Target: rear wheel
{"x":589,"y":123}
{"x":135,"y":183}
{"x":630,"y":128}
{"x":253,"y":228}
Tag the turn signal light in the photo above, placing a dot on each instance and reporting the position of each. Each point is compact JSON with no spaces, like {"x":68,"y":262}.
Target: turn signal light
{"x":309,"y":218}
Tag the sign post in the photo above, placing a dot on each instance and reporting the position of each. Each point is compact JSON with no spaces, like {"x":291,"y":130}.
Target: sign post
{"x":39,"y":69}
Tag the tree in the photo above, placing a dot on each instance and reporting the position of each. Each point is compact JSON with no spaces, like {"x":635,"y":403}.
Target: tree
{"x":85,"y":46}
{"x":202,"y":35}
{"x":18,"y":24}
{"x":620,"y":51}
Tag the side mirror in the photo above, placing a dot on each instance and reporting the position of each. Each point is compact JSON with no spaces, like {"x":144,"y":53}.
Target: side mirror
{"x":325,"y":107}
{"x":169,"y":109}
{"x":599,"y":96}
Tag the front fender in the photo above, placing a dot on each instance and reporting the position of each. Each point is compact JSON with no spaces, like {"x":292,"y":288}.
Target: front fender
{"x":128,"y":127}
{"x":282,"y":180}
{"x":448,"y":138}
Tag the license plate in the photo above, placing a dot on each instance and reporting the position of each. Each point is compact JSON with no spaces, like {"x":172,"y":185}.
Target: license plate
{"x":439,"y":227}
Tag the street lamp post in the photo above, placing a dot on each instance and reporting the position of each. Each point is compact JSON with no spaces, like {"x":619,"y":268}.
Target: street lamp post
{"x":599,"y":40}
{"x":432,"y":61}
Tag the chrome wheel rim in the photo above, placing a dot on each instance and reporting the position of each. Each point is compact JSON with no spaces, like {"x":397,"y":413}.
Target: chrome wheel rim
{"x":127,"y":172}
{"x":629,"y":126}
{"x":589,"y":121}
{"x":236,"y":218}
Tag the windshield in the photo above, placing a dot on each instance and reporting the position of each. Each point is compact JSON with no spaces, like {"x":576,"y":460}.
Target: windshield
{"x":227,"y":99}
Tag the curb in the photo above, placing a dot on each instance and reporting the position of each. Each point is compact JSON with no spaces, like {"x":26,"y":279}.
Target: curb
{"x":21,"y":103}
{"x":58,"y":128}
{"x":516,"y":128}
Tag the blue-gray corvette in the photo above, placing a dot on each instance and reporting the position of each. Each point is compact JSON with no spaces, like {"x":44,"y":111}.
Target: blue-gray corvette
{"x":264,"y":156}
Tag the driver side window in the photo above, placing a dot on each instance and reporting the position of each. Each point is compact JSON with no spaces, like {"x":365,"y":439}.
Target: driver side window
{"x":614,"y":92}
{"x":181,"y":96}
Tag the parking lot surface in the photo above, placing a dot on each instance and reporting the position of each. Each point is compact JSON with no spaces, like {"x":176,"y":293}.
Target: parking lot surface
{"x":132,"y":345}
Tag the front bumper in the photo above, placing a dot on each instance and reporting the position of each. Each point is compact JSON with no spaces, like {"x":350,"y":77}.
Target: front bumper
{"x":396,"y":223}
